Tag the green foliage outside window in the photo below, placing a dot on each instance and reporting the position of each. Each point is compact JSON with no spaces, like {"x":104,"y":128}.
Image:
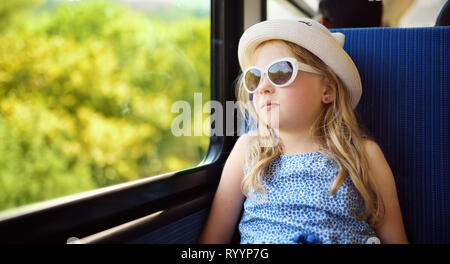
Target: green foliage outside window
{"x":86,"y":91}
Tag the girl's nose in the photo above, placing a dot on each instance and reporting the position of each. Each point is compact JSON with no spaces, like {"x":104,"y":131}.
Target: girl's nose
{"x":266,"y":86}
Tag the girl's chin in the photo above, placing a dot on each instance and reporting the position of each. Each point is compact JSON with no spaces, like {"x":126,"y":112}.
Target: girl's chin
{"x":273,"y":125}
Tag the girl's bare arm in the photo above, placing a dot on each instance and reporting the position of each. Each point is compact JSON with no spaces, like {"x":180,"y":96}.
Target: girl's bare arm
{"x":390,"y":230}
{"x":228,"y":200}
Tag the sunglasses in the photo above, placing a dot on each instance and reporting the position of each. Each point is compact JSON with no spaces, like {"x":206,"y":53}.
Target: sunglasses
{"x":281,"y":73}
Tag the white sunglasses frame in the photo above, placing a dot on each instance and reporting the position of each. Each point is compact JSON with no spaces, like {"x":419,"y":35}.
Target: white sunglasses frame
{"x":296,"y":67}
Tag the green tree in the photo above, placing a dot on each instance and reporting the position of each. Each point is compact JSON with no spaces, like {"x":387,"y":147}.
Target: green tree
{"x":9,"y":9}
{"x":86,"y":94}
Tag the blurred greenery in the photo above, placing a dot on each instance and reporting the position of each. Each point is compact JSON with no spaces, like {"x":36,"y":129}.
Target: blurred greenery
{"x":86,"y":90}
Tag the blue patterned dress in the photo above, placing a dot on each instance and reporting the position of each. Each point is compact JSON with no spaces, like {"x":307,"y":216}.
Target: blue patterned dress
{"x":299,"y":207}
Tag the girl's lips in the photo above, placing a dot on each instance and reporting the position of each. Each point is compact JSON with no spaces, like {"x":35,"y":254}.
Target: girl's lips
{"x":269,"y":106}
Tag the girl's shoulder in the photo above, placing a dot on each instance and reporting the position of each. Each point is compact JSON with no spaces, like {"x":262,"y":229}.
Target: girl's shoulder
{"x":378,"y":164}
{"x":243,"y":142}
{"x":241,"y":147}
{"x":372,"y":149}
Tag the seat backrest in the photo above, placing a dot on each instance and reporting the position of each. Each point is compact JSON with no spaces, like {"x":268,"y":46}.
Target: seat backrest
{"x":405,"y":108}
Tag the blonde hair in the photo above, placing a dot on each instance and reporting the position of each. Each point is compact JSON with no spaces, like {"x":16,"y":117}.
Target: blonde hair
{"x":337,"y":131}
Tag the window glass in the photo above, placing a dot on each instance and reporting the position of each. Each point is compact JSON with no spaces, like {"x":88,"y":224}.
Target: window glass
{"x":87,"y":90}
{"x":313,"y":4}
{"x":282,"y":9}
{"x":396,"y":13}
{"x":421,"y":13}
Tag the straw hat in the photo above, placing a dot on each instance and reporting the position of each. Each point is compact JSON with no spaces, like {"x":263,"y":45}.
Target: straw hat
{"x":312,"y":36}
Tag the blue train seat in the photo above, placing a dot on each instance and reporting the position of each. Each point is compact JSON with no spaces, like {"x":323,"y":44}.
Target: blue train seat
{"x":405,"y":107}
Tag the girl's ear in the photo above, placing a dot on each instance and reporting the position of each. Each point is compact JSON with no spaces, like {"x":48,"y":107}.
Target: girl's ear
{"x":329,"y":90}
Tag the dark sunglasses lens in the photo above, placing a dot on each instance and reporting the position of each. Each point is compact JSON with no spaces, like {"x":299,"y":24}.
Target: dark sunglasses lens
{"x":281,"y":72}
{"x":252,"y":78}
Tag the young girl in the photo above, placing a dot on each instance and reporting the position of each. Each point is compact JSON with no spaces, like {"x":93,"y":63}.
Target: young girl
{"x":308,"y":175}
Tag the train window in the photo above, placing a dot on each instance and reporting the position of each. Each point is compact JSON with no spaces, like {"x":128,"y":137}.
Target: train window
{"x":87,"y":90}
{"x":421,"y":13}
{"x":396,"y":13}
{"x":280,"y":9}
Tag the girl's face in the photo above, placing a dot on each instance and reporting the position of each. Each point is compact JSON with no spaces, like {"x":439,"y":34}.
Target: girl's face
{"x":293,"y":107}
